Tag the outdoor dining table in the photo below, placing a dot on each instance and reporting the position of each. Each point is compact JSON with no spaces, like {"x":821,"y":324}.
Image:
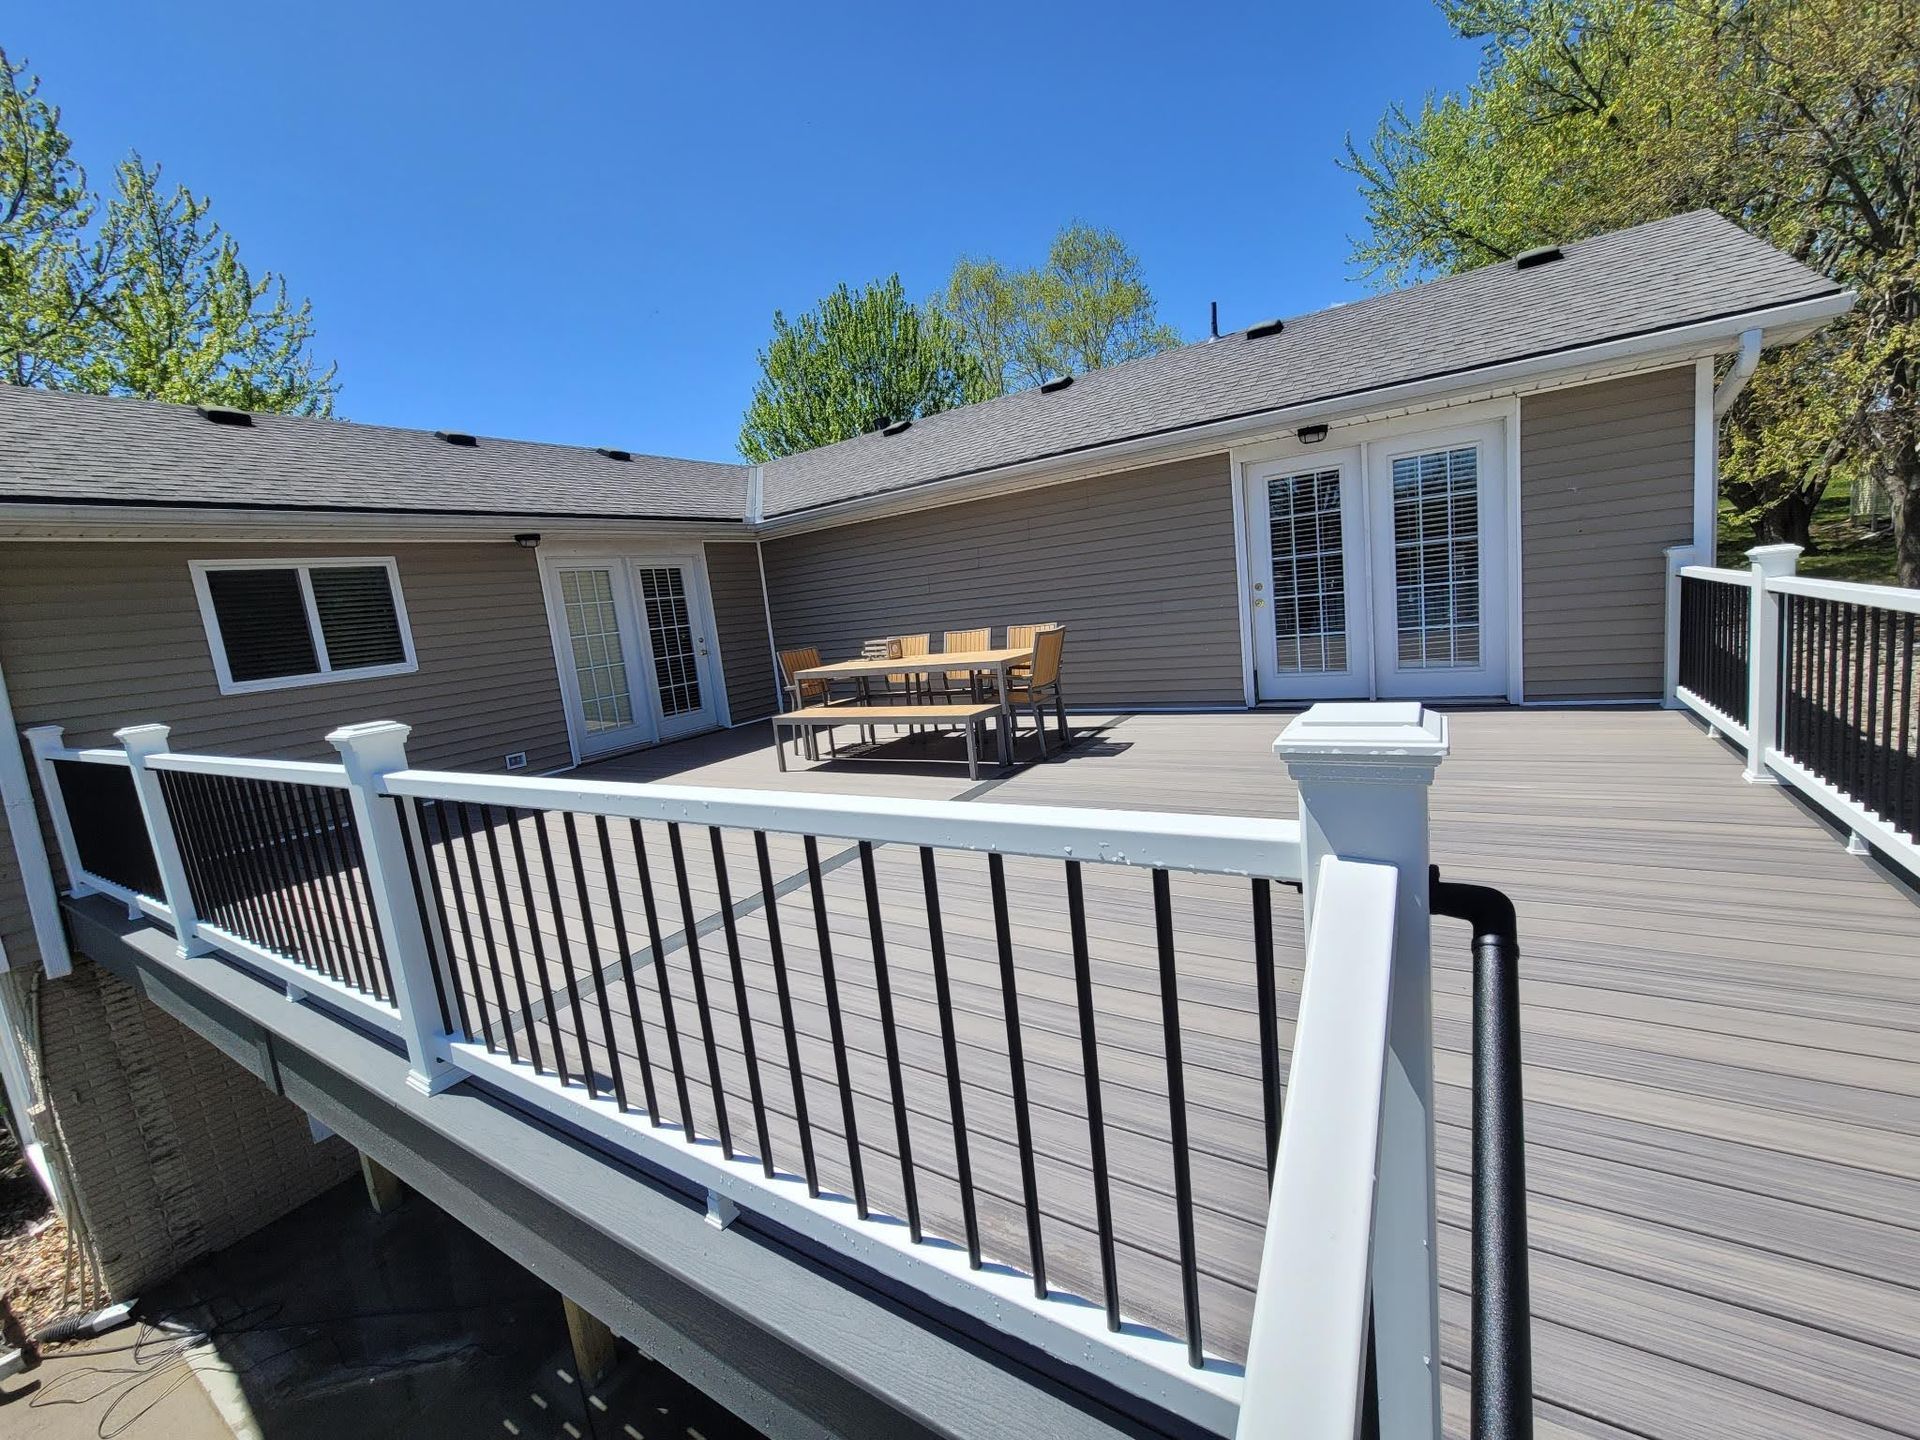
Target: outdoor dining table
{"x":979,"y":662}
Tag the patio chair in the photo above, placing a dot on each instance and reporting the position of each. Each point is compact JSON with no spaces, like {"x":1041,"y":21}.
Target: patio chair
{"x":908,"y":647}
{"x":1020,"y":637}
{"x":801,"y":693}
{"x":964,"y":682}
{"x":1042,"y":683}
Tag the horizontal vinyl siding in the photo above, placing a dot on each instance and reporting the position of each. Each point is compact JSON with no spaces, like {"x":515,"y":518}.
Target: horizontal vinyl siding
{"x":98,"y":636}
{"x":1606,"y":484}
{"x":740,"y":618}
{"x":1139,"y":566}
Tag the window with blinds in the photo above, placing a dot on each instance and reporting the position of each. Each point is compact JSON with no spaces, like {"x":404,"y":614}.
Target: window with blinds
{"x":279,"y":623}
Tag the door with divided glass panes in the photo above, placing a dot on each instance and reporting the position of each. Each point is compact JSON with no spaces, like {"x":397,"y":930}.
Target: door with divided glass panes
{"x":1379,"y":569}
{"x":634,"y":648}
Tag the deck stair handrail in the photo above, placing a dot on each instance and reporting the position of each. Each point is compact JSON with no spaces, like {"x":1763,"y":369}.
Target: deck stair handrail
{"x":1828,"y":687}
{"x":502,"y":931}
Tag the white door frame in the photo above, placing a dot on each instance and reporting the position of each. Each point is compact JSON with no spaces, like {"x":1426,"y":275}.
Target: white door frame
{"x":1261,"y":598}
{"x":625,"y":557}
{"x":1500,"y":520}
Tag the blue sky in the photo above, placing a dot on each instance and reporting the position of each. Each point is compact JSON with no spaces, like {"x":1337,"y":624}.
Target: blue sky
{"x":573,"y":221}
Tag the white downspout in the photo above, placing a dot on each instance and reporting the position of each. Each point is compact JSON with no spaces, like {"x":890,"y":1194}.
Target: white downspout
{"x":1729,"y":389}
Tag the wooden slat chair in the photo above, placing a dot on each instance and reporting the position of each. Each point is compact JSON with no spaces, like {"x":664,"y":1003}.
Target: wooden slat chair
{"x":802,"y":693}
{"x":964,"y":682}
{"x":1020,"y":637}
{"x":908,"y":647}
{"x":1042,"y":683}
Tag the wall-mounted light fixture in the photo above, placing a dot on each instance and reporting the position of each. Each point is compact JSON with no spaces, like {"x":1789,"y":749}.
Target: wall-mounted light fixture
{"x":529,"y":541}
{"x":1310,"y":434}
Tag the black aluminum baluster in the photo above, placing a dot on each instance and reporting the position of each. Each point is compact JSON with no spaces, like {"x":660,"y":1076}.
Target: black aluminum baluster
{"x":1017,"y":1068}
{"x":1177,"y":1115}
{"x":429,"y":921}
{"x":430,"y":868}
{"x":1268,"y":999}
{"x":534,"y":939}
{"x":950,"y":1049}
{"x":784,"y":993}
{"x":883,"y":989}
{"x":664,"y":980}
{"x":1096,"y":1116}
{"x":697,"y":968}
{"x":529,"y":1025}
{"x":744,"y":1014}
{"x":834,"y":1025}
{"x":455,"y":812}
{"x":475,"y":874}
{"x":593,"y":959}
{"x":634,"y":1019}
{"x":563,"y":953}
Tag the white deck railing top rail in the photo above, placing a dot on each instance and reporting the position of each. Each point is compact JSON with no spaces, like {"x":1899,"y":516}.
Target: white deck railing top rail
{"x":505,"y":930}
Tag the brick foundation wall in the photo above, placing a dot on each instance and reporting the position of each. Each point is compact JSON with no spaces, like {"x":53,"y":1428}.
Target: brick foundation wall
{"x":172,"y":1149}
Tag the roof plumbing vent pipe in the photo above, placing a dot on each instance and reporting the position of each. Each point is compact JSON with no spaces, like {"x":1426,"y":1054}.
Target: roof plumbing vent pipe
{"x":1728,"y":390}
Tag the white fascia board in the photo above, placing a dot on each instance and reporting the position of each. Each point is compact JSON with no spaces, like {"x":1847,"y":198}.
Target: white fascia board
{"x":1603,"y":360}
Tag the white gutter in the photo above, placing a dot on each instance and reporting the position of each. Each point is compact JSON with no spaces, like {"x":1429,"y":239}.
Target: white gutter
{"x":30,"y":847}
{"x":1744,"y":365}
{"x":1685,"y":342}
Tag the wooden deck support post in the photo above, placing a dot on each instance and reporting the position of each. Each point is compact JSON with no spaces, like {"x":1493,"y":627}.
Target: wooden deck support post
{"x":1770,"y":562}
{"x":1363,"y":771}
{"x":594,"y":1346}
{"x":385,"y":1190}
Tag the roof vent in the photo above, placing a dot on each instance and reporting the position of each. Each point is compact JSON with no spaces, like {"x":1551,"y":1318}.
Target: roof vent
{"x":222,"y":415}
{"x":1265,"y":328}
{"x":613,"y":454}
{"x":455,"y":437}
{"x":1544,"y":255}
{"x":1058,"y":382}
{"x":898,"y":427}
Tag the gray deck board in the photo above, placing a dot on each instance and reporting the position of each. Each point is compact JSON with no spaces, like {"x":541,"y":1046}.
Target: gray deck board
{"x":1722,"y":1067}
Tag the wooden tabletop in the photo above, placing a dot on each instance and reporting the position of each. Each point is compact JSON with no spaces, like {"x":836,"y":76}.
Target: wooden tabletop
{"x":919,"y":664}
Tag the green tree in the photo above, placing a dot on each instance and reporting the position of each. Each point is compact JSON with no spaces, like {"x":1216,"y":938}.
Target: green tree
{"x":150,"y":298}
{"x":184,"y":320}
{"x":858,"y":361}
{"x":1797,"y":119}
{"x":45,"y":213}
{"x":1087,"y":306}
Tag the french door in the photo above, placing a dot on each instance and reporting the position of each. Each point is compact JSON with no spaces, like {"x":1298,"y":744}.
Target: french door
{"x":636,"y":662}
{"x":1381,"y":570}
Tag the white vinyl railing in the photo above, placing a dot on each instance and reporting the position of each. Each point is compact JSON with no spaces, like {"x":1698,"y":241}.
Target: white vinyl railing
{"x":1817,"y":682}
{"x":486,"y":923}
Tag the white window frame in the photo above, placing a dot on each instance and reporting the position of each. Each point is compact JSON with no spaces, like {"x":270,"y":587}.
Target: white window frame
{"x":326,"y":674}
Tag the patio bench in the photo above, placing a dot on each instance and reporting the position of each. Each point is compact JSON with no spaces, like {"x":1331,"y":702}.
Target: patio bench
{"x":969,"y":718}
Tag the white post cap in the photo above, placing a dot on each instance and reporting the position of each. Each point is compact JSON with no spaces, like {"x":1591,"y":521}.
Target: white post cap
{"x":1403,"y":731}
{"x":1774,"y":559}
{"x":144,"y":739}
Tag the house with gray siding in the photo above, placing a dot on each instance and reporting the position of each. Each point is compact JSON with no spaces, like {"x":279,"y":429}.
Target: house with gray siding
{"x":1469,"y":490}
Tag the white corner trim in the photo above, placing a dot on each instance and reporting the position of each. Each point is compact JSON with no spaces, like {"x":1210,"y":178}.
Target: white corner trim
{"x":1242,"y":573}
{"x":1516,"y":558}
{"x":30,"y":847}
{"x":326,"y":674}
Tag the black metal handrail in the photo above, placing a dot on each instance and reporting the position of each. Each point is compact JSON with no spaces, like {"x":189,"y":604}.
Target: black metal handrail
{"x":1714,"y":624}
{"x":1850,"y":702}
{"x":1502,"y":1300}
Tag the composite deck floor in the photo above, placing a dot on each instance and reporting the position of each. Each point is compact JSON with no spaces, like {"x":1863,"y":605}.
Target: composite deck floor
{"x":1722,"y":1035}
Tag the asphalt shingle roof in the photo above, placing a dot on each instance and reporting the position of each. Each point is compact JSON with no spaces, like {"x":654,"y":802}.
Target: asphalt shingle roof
{"x":98,"y":450}
{"x":81,"y":449}
{"x":1653,"y":277}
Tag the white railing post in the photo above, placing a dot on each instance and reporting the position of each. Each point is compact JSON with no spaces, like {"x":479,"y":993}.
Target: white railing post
{"x":1363,"y":772}
{"x":1770,"y":562}
{"x":371,"y":752}
{"x":43,"y":741}
{"x":142,"y":741}
{"x":29,"y":847}
{"x":1678,"y":557}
